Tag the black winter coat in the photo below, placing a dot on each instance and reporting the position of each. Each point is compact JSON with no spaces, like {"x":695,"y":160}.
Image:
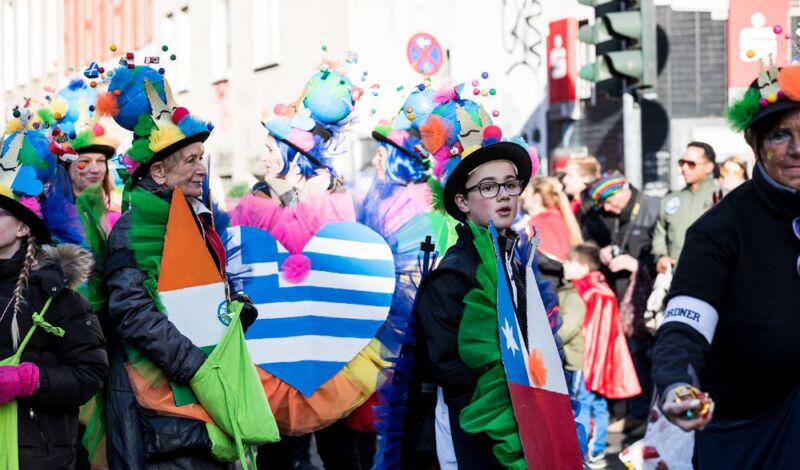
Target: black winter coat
{"x":440,"y":307}
{"x":741,"y":258}
{"x":631,"y":231}
{"x":71,"y":368}
{"x":138,"y":438}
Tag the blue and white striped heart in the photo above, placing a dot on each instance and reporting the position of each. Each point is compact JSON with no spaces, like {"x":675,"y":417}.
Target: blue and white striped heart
{"x":307,"y":331}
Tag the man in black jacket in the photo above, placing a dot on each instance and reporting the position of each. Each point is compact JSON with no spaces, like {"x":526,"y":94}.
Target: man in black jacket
{"x":622,"y":225}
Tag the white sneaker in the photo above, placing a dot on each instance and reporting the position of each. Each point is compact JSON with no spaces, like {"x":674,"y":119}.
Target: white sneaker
{"x":597,"y":461}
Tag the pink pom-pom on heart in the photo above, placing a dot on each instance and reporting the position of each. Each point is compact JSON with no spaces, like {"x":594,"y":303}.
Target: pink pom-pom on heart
{"x":32,"y":204}
{"x":98,"y":130}
{"x":295,"y":268}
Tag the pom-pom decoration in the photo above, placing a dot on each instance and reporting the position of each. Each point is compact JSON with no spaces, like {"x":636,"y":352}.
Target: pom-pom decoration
{"x":328,"y":96}
{"x":742,"y":111}
{"x":789,"y":81}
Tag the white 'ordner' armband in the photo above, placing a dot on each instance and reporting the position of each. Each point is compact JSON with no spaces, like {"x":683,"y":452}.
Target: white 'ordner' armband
{"x":694,"y":312}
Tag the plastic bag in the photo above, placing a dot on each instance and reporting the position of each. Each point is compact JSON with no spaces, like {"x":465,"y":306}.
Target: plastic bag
{"x":228,"y":387}
{"x":663,"y":446}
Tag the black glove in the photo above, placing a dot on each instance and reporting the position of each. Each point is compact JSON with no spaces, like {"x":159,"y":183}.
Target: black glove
{"x":249,"y":311}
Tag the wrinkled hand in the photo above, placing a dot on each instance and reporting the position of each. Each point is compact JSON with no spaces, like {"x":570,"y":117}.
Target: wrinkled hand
{"x":685,"y":410}
{"x":664,"y":263}
{"x":18,"y":381}
{"x":623,"y":263}
{"x":249,"y":311}
{"x":606,"y":254}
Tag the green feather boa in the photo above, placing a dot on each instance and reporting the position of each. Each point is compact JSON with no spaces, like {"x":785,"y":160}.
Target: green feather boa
{"x":490,"y":410}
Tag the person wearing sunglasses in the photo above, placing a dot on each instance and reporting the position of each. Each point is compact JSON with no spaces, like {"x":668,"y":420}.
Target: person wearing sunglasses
{"x":681,"y":208}
{"x":725,"y":355}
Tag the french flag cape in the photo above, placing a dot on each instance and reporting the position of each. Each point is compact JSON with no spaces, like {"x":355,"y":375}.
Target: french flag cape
{"x":536,"y":381}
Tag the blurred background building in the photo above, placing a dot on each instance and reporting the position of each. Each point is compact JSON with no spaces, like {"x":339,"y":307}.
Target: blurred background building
{"x":236,"y":59}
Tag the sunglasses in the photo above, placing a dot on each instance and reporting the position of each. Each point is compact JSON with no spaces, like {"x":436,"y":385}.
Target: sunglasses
{"x":692,"y":165}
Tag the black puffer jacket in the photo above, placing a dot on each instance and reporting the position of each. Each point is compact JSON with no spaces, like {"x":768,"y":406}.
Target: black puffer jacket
{"x":138,"y":438}
{"x":71,"y":368}
{"x":439,"y":310}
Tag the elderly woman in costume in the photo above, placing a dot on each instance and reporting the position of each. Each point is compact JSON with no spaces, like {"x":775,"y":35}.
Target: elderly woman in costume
{"x":724,"y":352}
{"x":153,"y":419}
{"x":51,"y":345}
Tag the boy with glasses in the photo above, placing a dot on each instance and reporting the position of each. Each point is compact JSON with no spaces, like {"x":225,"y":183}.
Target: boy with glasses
{"x":483,"y":177}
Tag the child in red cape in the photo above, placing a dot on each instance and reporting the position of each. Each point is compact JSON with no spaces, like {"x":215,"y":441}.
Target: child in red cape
{"x":608,"y":370}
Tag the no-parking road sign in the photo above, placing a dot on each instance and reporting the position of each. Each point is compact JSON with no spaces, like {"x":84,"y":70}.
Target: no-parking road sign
{"x":425,"y":54}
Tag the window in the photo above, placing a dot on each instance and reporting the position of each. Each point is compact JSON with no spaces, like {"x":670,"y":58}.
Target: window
{"x":183,"y":49}
{"x":266,"y":33}
{"x":51,"y":12}
{"x":37,"y":46}
{"x":8,"y":45}
{"x":219,"y":58}
{"x":22,"y":47}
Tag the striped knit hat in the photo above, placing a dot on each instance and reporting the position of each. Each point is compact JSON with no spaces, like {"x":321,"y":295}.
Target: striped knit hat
{"x":606,"y":185}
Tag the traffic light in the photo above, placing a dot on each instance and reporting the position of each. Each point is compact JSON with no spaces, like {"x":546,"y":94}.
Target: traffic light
{"x":624,"y":35}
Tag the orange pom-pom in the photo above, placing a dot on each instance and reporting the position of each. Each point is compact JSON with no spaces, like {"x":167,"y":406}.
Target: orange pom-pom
{"x":537,"y":368}
{"x":433,"y":134}
{"x":106,"y":105}
{"x":789,"y":81}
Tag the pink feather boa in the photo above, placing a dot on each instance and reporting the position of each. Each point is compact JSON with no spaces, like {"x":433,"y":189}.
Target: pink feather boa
{"x":32,"y":204}
{"x":293,"y":228}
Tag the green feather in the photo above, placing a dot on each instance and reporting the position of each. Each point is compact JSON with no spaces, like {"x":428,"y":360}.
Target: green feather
{"x":82,"y":140}
{"x":490,"y":411}
{"x":91,"y":205}
{"x":46,"y":116}
{"x":437,"y":195}
{"x":29,"y":157}
{"x":741,"y":112}
{"x":144,"y":126}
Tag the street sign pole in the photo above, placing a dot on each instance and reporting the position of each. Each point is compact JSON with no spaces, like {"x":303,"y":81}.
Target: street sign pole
{"x":632,"y":137}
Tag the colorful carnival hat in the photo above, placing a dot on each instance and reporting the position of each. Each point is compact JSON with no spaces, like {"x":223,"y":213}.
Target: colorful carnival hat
{"x":309,"y":123}
{"x":773,"y":91}
{"x":402,"y":132}
{"x":139,"y":99}
{"x":605,"y":186}
{"x":26,"y":167}
{"x":460,"y":137}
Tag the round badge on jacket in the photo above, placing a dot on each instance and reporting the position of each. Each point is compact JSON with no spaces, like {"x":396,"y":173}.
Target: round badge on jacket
{"x":672,"y":205}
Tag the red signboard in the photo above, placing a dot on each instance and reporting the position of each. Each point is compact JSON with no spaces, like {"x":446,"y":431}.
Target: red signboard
{"x":756,"y":30}
{"x":561,"y":60}
{"x":425,"y":54}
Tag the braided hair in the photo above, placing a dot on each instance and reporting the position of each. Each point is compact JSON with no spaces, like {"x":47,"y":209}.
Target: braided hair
{"x":22,"y":284}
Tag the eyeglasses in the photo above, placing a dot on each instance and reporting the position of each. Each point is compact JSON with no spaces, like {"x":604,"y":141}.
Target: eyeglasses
{"x":688,"y":163}
{"x":490,"y":189}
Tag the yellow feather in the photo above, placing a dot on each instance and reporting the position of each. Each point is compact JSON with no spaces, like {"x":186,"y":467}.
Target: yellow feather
{"x":164,"y":136}
{"x":13,"y":125}
{"x":6,"y":191}
{"x":58,"y":107}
